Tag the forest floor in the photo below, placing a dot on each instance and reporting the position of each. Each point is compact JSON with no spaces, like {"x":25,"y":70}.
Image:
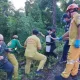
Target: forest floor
{"x":49,"y":74}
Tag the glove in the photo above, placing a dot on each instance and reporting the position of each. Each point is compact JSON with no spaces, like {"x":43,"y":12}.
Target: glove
{"x":61,"y":38}
{"x":77,"y":44}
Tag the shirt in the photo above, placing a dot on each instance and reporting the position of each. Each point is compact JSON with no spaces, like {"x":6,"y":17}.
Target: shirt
{"x":14,"y":43}
{"x":32,"y":42}
{"x":51,"y":41}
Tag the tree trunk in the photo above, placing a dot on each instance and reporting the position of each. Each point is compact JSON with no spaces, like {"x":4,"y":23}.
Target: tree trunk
{"x":54,"y":13}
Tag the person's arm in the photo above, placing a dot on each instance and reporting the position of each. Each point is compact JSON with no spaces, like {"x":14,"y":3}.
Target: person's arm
{"x":77,"y":41}
{"x":65,"y":35}
{"x":25,"y":44}
{"x":19,"y":45}
{"x":39,"y":45}
{"x":42,"y":34}
{"x":53,"y":38}
{"x":78,"y":36}
{"x":66,"y":38}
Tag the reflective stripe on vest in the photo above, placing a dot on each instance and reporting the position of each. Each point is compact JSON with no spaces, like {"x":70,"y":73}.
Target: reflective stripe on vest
{"x":72,"y":61}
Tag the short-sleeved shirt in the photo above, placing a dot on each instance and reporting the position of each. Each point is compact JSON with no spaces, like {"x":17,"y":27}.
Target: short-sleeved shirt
{"x":32,"y":42}
{"x":73,"y":30}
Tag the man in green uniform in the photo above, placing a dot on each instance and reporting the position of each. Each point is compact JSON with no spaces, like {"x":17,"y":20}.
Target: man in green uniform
{"x":13,"y":44}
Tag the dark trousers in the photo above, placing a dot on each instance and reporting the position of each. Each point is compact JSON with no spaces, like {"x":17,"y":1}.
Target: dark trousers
{"x":8,"y":67}
{"x":51,"y":53}
{"x":65,"y":51}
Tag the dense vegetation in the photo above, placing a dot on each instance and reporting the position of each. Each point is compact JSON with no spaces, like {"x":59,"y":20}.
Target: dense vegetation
{"x":38,"y":14}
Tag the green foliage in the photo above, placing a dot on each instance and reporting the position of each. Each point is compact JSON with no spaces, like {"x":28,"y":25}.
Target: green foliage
{"x":37,"y":15}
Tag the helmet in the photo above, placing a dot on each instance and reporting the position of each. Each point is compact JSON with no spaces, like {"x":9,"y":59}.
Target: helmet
{"x":15,"y":36}
{"x":72,"y":6}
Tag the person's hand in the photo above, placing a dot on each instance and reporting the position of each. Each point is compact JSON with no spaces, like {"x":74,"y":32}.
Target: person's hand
{"x":8,"y":49}
{"x":77,"y":44}
{"x":1,"y":57}
{"x":40,"y":33}
{"x":59,"y":38}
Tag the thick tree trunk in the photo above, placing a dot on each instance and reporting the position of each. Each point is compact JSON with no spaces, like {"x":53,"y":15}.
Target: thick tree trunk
{"x":54,"y":13}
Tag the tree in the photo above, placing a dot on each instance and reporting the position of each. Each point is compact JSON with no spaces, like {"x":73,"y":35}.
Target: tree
{"x":3,"y":17}
{"x":54,"y":12}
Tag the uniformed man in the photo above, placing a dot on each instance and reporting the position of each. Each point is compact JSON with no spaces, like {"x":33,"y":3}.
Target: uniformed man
{"x":32,"y":44}
{"x":14,"y":44}
{"x":74,"y":42}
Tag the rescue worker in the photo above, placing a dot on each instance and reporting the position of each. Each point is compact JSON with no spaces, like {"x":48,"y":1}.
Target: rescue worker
{"x":74,"y":42}
{"x":66,"y":20}
{"x":13,"y":44}
{"x":32,"y":44}
{"x":4,"y":63}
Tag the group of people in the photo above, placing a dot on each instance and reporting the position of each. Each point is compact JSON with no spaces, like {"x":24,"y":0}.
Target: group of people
{"x":71,"y":50}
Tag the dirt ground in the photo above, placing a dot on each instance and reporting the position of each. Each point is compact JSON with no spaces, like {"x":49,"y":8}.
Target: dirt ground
{"x":49,"y":74}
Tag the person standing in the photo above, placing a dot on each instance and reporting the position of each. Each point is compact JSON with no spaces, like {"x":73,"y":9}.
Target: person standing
{"x":13,"y":44}
{"x":72,"y":64}
{"x":32,"y":44}
{"x":65,"y":19}
{"x":50,"y":42}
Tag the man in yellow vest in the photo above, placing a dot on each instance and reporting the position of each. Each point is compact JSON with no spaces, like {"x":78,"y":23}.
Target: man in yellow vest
{"x":32,"y":44}
{"x":74,"y":42}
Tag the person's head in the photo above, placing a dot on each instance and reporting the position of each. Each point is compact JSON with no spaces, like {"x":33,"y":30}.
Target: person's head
{"x":35,"y":32}
{"x":49,"y":30}
{"x":72,"y":8}
{"x":15,"y":37}
{"x":65,"y":18}
{"x":54,"y":29}
{"x":1,"y":38}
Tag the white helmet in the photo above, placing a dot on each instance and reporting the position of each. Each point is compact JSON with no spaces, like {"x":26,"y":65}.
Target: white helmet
{"x":1,"y":37}
{"x":15,"y":36}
